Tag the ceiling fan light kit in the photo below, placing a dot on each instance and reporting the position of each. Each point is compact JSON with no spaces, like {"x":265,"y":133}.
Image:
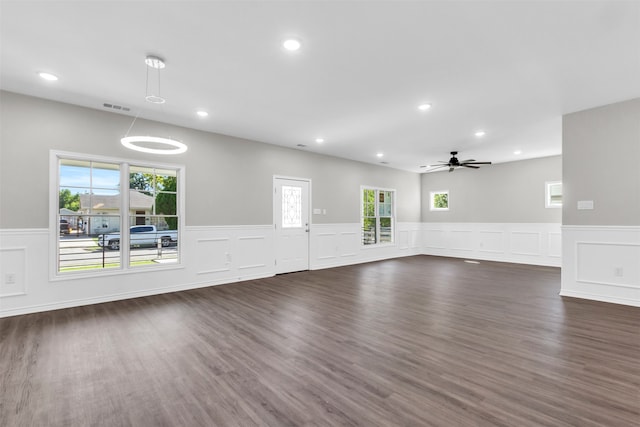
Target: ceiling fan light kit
{"x":454,"y":163}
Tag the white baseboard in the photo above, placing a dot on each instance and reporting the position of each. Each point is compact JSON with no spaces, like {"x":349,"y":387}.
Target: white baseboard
{"x":601,"y":298}
{"x":122,"y":296}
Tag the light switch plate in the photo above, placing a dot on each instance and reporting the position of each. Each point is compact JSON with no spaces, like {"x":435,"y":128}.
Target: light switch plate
{"x":585,"y":204}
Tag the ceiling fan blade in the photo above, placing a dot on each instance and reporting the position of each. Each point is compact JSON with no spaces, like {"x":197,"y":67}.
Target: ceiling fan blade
{"x":467,"y":161}
{"x":451,"y":169}
{"x":469,"y":166}
{"x":439,"y":166}
{"x":477,"y":163}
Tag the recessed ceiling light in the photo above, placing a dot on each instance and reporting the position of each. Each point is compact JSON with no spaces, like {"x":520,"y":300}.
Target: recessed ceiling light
{"x":48,"y":76}
{"x":380,"y":154}
{"x":480,"y":133}
{"x":319,"y":140}
{"x":424,"y":107}
{"x":517,"y":152}
{"x":291,"y":44}
{"x":202,"y":113}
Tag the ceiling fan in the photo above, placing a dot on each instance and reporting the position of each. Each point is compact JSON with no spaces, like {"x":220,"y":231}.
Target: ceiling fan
{"x":455,"y":163}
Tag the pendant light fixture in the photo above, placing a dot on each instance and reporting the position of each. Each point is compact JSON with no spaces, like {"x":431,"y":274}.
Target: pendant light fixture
{"x":153,"y":144}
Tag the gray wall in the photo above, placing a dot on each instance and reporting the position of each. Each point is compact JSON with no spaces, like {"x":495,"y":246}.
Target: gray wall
{"x":229,"y":180}
{"x":506,"y":192}
{"x":601,"y":148}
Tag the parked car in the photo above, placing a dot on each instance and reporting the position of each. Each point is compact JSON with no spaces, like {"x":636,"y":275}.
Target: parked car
{"x":64,"y":226}
{"x":140,"y":235}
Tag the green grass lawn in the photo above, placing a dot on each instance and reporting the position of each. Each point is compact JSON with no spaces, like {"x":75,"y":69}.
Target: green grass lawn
{"x":107,"y":265}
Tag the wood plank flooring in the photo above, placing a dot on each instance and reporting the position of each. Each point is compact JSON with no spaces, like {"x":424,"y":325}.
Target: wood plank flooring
{"x":417,"y":341}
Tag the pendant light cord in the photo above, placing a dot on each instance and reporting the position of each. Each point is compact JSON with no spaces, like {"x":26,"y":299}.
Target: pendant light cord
{"x":132,"y":123}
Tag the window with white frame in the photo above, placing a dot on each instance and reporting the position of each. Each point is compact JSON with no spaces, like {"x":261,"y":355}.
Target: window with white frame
{"x":377,"y":215}
{"x":95,"y":216}
{"x":439,"y":200}
{"x":553,"y":194}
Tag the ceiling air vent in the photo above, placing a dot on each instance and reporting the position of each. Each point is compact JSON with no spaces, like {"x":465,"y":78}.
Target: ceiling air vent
{"x":301,"y":145}
{"x":116,"y":107}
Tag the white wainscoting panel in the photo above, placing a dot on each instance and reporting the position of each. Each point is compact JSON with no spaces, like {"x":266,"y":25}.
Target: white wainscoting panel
{"x":433,"y":238}
{"x":209,"y":256}
{"x":461,"y":239}
{"x":349,"y":244}
{"x":328,"y":245}
{"x":598,"y":263}
{"x":601,"y":263}
{"x":492,"y":241}
{"x":254,"y":252}
{"x":13,"y":271}
{"x":403,"y":239}
{"x":524,"y":243}
{"x":213,"y":254}
{"x":334,"y":245}
{"x":554,"y":244}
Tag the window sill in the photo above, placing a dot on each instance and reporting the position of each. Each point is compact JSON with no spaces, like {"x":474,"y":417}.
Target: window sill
{"x":378,"y":245}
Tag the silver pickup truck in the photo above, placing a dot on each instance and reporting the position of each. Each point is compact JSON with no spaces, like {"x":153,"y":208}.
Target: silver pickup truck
{"x":141,"y":235}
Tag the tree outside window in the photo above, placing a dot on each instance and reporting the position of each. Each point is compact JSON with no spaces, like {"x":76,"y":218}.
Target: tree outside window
{"x":439,"y":200}
{"x":377,"y":216}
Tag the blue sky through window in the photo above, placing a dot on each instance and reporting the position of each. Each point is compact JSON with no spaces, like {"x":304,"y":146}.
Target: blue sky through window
{"x":86,"y":179}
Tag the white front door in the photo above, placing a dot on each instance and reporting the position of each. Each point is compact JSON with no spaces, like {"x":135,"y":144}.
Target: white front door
{"x":291,"y":222}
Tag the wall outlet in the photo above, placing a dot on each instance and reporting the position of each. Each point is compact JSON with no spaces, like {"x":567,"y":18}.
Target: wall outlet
{"x":228,"y":256}
{"x":618,"y":272}
{"x":10,"y":278}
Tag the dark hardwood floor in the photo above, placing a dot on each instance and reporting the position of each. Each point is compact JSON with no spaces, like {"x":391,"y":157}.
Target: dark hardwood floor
{"x":418,"y":341}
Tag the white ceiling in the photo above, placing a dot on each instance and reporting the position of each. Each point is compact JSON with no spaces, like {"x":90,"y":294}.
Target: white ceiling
{"x":510,"y":68}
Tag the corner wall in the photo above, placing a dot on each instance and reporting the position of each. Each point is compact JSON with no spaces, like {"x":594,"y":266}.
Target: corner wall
{"x":494,"y":218}
{"x":601,"y":246}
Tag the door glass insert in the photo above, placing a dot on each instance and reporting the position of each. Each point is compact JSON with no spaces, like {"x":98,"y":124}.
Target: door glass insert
{"x":291,"y":207}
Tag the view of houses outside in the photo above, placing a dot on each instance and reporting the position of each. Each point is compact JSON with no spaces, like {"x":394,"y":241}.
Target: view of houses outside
{"x":89,"y":210}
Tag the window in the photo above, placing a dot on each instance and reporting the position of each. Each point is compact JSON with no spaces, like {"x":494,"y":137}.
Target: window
{"x":377,"y":215}
{"x":93,"y":215}
{"x":153,"y":218}
{"x":553,"y":194}
{"x":439,"y":200}
{"x":291,"y":207}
